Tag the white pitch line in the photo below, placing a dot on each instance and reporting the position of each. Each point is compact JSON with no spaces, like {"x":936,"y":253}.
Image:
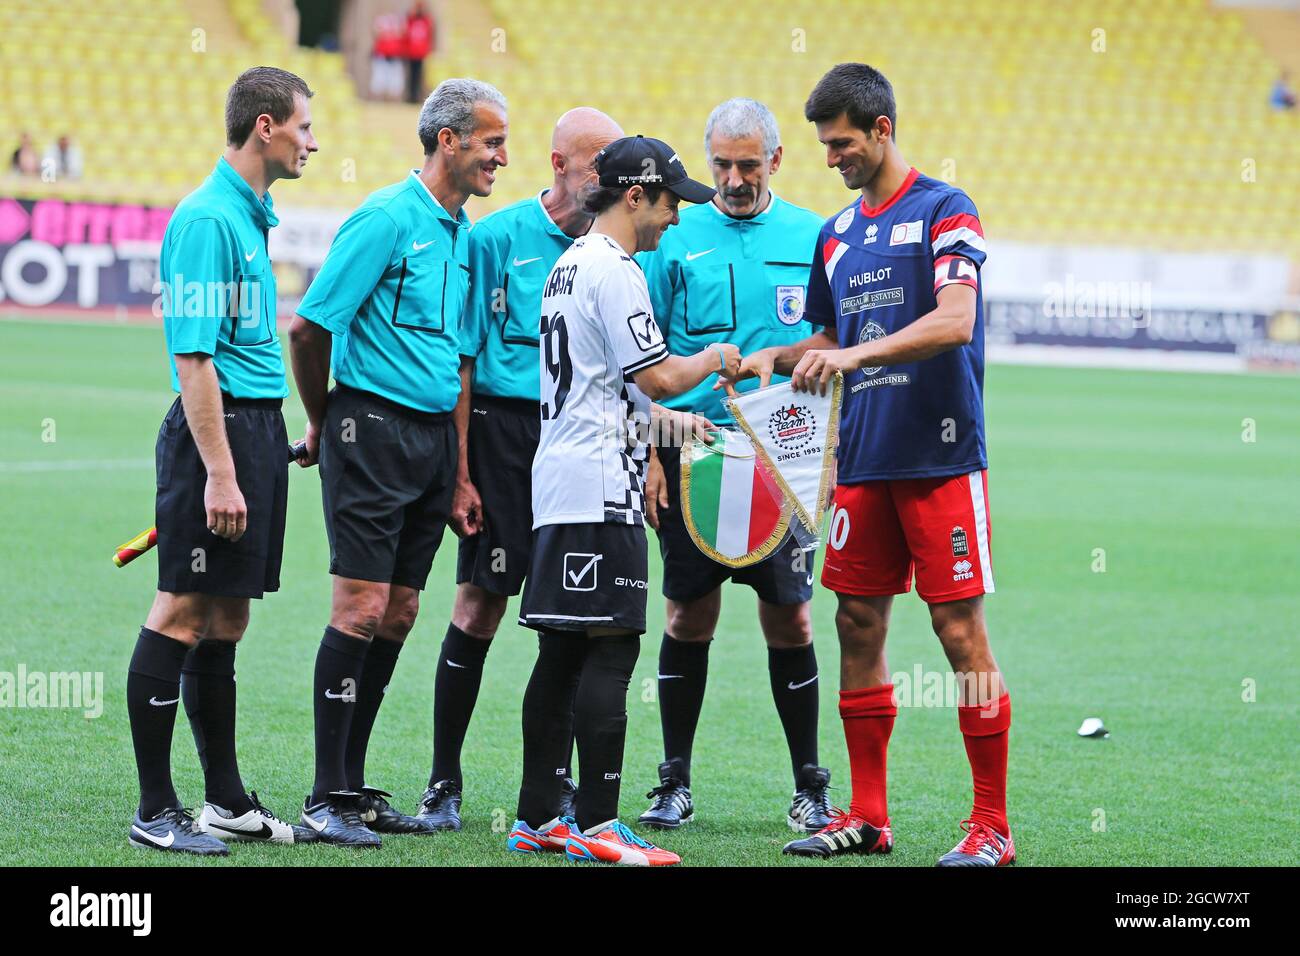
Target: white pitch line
{"x":85,"y":464}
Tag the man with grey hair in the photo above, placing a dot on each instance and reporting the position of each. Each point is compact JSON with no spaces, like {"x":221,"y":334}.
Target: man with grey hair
{"x":734,"y":270}
{"x":511,"y":253}
{"x":384,"y":313}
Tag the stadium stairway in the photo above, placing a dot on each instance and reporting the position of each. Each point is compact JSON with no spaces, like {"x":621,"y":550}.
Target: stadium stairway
{"x":1277,"y":31}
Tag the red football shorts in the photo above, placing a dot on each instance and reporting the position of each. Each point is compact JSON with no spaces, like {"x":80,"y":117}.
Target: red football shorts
{"x":881,"y":530}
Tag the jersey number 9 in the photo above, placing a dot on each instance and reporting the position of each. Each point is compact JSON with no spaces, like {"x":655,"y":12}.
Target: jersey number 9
{"x":555,"y":353}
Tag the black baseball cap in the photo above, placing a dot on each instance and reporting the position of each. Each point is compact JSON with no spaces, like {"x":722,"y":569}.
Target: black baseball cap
{"x":644,"y":161}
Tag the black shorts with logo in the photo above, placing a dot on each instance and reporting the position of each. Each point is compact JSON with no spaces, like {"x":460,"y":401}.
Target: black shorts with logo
{"x":784,"y":577}
{"x":387,"y":476}
{"x":190,"y":557}
{"x":586,"y":575}
{"x":503,"y":436}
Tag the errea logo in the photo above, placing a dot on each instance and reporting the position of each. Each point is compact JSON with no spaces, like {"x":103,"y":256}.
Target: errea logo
{"x":76,"y":909}
{"x":871,"y":234}
{"x":962,"y":571}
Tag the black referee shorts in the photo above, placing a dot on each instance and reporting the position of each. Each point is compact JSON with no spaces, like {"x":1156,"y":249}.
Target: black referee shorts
{"x":387,"y":477}
{"x":784,"y":577}
{"x":190,"y":557}
{"x":503,"y":436}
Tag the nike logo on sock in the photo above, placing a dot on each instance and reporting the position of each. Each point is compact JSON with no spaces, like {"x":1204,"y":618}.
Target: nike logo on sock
{"x":341,"y":695}
{"x":451,"y":663}
{"x":671,"y":676}
{"x":162,"y":703}
{"x":793,"y":686}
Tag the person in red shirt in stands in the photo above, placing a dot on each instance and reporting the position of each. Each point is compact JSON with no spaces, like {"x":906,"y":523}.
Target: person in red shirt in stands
{"x":386,"y":72}
{"x":419,"y":44}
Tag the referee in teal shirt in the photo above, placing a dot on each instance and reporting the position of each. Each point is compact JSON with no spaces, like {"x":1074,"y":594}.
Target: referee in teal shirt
{"x":733,"y":270}
{"x":511,"y":254}
{"x":385,"y":312}
{"x":222,"y":470}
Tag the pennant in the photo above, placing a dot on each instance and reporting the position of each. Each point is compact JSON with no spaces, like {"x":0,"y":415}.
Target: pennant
{"x":794,"y":435}
{"x":733,"y":508}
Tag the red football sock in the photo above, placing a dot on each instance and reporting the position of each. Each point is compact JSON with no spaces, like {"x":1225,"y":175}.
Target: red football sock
{"x":985,"y":730}
{"x":868,"y":716}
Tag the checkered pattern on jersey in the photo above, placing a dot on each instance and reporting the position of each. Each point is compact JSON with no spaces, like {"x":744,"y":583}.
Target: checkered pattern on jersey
{"x":631,"y":508}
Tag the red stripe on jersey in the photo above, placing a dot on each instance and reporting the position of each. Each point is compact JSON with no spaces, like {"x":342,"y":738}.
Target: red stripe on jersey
{"x":829,"y":248}
{"x":956,"y":222}
{"x":945,"y":273}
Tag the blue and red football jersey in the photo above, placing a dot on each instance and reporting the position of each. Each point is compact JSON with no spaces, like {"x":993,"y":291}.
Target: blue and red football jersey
{"x":876,"y":270}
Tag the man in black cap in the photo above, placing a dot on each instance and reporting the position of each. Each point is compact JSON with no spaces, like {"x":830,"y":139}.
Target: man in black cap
{"x":603,"y":360}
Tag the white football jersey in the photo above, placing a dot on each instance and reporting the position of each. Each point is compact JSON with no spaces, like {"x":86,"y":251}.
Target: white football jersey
{"x":597,"y":329}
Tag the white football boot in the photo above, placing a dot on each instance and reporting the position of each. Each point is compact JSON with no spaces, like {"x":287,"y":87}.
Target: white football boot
{"x":258,"y":825}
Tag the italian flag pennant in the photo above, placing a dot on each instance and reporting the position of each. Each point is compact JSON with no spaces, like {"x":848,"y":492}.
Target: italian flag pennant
{"x":734,"y":509}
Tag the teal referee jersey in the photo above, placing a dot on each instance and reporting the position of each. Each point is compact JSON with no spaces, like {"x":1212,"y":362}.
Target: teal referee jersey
{"x":511,"y":252}
{"x":218,"y":289}
{"x":392,"y":291}
{"x":715,"y":278}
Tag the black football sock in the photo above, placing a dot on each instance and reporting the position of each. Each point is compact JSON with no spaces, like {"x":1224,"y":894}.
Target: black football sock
{"x":339,"y":663}
{"x":208,"y":690}
{"x":455,"y":691}
{"x":600,"y":721}
{"x":683,"y":672}
{"x":793,"y":672}
{"x":153,"y":689}
{"x":548,"y":722}
{"x":381,"y":658}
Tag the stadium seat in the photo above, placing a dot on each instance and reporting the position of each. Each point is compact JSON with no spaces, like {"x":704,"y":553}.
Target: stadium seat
{"x":1053,"y":136}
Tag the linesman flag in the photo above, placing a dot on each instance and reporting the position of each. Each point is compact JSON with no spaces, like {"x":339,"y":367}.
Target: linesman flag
{"x":733,"y":508}
{"x":794,"y":435}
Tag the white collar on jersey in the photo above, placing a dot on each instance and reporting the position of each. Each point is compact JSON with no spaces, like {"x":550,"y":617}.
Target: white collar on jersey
{"x":541,"y":205}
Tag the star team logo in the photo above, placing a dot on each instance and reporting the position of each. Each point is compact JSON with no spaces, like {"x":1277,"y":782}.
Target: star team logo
{"x":792,"y":427}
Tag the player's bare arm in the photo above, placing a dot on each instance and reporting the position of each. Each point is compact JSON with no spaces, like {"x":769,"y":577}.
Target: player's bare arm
{"x":201,"y":397}
{"x":675,"y":427}
{"x":679,"y":373}
{"x":466,"y":516}
{"x":656,"y":489}
{"x":778,"y":359}
{"x":669,"y":427}
{"x":310,"y":347}
{"x":948,"y":327}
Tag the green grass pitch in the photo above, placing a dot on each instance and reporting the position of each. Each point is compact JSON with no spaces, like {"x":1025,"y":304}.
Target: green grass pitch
{"x":1185,"y":645}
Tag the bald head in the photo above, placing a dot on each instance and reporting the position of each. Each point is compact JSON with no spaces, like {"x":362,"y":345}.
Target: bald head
{"x":579,"y":135}
{"x":582,"y":129}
